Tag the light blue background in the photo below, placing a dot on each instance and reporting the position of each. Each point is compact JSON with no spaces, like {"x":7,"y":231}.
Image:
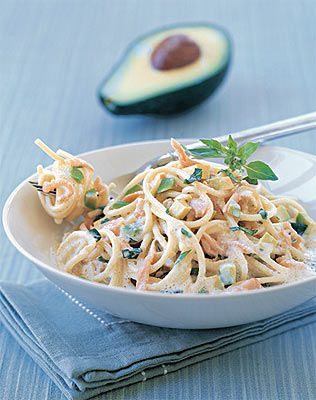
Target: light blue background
{"x":53,"y":55}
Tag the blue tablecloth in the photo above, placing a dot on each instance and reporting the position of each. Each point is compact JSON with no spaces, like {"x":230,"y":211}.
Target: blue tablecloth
{"x":53,"y":55}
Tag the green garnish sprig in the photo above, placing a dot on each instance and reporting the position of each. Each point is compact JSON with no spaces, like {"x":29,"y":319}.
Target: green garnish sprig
{"x":236,"y":159}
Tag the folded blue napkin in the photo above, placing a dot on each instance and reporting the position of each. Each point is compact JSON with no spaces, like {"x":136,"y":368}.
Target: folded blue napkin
{"x":87,"y":352}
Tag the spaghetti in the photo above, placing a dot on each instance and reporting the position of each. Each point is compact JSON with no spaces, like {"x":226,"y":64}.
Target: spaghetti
{"x":184,"y":227}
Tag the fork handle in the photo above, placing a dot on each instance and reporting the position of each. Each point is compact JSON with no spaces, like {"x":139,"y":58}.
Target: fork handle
{"x":274,"y":130}
{"x":262,"y":133}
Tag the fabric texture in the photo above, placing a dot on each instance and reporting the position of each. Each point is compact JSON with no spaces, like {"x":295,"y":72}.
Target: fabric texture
{"x":87,"y":352}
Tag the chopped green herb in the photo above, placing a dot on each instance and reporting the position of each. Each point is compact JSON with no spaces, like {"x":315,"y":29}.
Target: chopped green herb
{"x":168,"y":212}
{"x":165,"y":184}
{"x":263,"y":213}
{"x":82,"y":277}
{"x":96,"y":234}
{"x":253,"y":255}
{"x":105,"y":220}
{"x":102,"y":259}
{"x":98,"y":217}
{"x":186,"y":233}
{"x":203,"y":290}
{"x":171,"y":291}
{"x":76,"y":174}
{"x":131,"y":254}
{"x":246,"y":230}
{"x":90,"y":199}
{"x":196,"y":176}
{"x":133,"y":189}
{"x":120,"y":204}
{"x":299,"y":228}
{"x":181,"y":256}
{"x":228,"y":173}
{"x":194,"y":271}
{"x":132,"y":230}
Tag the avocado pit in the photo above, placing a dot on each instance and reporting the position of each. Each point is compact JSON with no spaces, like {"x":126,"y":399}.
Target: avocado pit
{"x":176,"y":51}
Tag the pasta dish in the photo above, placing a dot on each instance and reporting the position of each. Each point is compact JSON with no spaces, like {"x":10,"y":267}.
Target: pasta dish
{"x":188,"y":227}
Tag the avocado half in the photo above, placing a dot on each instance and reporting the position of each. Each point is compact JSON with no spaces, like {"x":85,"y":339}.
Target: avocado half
{"x":135,"y":87}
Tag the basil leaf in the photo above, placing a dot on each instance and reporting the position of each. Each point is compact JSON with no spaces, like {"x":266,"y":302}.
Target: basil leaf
{"x":246,"y":230}
{"x":181,"y":256}
{"x":245,"y":151}
{"x":132,"y":230}
{"x":228,"y":173}
{"x":105,"y":220}
{"x":232,"y":145}
{"x":216,"y":146}
{"x":131,"y":254}
{"x":165,"y":184}
{"x":251,"y":181}
{"x":196,"y":176}
{"x":133,"y":189}
{"x":120,"y":204}
{"x":194,"y":271}
{"x":260,"y":170}
{"x":102,"y":259}
{"x":90,"y":199}
{"x":263,"y":213}
{"x":96,"y":234}
{"x":76,"y":174}
{"x":186,"y":233}
{"x":204,"y":152}
{"x":299,"y":228}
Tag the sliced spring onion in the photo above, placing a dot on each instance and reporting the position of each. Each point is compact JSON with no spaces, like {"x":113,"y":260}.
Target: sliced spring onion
{"x":186,"y":233}
{"x":76,"y":174}
{"x":165,"y":184}
{"x":131,"y":254}
{"x":196,"y":176}
{"x":246,"y":230}
{"x":90,"y":199}
{"x":96,"y":234}
{"x":133,"y":189}
{"x":120,"y":204}
{"x":181,"y":256}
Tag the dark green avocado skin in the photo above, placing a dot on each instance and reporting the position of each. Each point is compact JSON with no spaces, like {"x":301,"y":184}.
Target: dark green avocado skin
{"x":175,"y":101}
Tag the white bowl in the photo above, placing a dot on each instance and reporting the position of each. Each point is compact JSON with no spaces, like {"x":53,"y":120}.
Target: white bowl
{"x":32,"y":232}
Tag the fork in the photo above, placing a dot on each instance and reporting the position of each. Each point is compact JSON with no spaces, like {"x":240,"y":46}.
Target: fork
{"x":39,"y":188}
{"x":274,"y":130}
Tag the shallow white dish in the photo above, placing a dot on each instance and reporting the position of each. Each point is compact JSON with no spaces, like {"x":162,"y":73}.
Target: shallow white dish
{"x":32,"y":232}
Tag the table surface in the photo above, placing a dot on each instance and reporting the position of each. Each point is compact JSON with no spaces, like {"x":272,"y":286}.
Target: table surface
{"x":54,"y":53}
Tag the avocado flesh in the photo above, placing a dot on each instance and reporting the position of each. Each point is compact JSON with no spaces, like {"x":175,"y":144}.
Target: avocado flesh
{"x":135,"y":87}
